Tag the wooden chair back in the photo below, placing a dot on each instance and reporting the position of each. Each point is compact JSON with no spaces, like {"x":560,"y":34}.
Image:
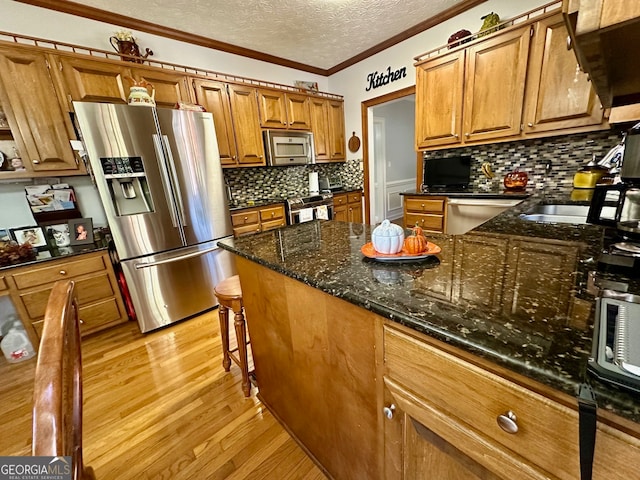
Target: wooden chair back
{"x":57,"y":405}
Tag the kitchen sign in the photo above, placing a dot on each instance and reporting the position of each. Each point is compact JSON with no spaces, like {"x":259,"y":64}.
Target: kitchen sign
{"x":377,"y":79}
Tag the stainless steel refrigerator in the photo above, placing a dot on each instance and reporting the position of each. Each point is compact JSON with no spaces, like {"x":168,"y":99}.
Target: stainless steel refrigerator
{"x":159,"y":177}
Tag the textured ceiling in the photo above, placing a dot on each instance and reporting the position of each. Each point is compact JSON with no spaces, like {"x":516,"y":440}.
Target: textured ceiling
{"x":319,"y":33}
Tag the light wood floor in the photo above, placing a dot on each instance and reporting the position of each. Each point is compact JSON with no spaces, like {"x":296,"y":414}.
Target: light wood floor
{"x":160,"y":406}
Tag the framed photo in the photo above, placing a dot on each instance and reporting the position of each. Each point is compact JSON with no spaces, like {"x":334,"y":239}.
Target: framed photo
{"x":81,"y":231}
{"x":302,"y":85}
{"x":60,"y":234}
{"x":4,"y":235}
{"x":33,"y":235}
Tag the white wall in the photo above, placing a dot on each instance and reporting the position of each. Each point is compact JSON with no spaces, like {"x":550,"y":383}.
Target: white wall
{"x":399,"y":139}
{"x":352,"y":82}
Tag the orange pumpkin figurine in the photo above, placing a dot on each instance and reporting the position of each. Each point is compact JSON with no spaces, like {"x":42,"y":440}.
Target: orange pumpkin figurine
{"x":415,"y":243}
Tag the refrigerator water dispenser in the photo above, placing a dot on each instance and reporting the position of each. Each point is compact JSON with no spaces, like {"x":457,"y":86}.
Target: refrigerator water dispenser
{"x":127,"y":184}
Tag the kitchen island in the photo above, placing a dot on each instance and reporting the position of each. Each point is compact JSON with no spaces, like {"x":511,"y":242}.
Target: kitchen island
{"x":503,"y":314}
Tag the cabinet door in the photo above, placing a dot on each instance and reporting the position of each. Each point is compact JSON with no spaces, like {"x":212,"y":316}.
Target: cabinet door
{"x":494,"y":86}
{"x":479,"y":265}
{"x":539,"y":280}
{"x":213,"y":96}
{"x":246,"y":125}
{"x":337,"y":144}
{"x":272,"y":109}
{"x":558,"y":94}
{"x":95,"y":81}
{"x":341,"y":213}
{"x":170,"y":88}
{"x":439,"y":90}
{"x":39,"y":124}
{"x":298,"y":111}
{"x":320,"y":128}
{"x":414,"y":452}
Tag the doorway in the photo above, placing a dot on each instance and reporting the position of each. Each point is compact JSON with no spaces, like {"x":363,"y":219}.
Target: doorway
{"x":390,"y":161}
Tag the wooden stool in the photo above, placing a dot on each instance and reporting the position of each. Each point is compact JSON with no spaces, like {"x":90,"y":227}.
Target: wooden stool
{"x":229,"y":295}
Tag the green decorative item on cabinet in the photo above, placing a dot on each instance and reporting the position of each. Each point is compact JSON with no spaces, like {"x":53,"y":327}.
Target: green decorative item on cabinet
{"x":488,"y":25}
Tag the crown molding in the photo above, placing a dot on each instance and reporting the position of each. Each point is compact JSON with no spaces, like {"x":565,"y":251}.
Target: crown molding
{"x":80,"y":10}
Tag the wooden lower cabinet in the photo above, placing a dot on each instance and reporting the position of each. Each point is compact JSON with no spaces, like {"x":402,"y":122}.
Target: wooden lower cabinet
{"x":429,"y":213}
{"x":369,"y":398}
{"x":446,"y":414}
{"x":347,"y":207}
{"x":258,"y":219}
{"x":99,"y":300}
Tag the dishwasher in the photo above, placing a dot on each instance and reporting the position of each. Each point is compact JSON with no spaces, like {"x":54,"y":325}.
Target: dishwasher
{"x":464,"y":214}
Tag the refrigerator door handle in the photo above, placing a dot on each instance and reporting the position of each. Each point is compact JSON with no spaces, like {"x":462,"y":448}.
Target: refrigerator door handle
{"x":176,"y":184}
{"x":139,"y":266}
{"x":165,"y":179}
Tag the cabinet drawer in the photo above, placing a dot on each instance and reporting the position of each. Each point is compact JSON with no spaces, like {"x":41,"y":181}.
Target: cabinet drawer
{"x":87,"y":289}
{"x":251,"y":217}
{"x":271,"y":213}
{"x":340,"y":199}
{"x":41,"y":276}
{"x":354,"y":197}
{"x":271,"y":224}
{"x":427,"y":222}
{"x":547,"y":433}
{"x":425,"y":205}
{"x":246,"y":229}
{"x":94,"y":316}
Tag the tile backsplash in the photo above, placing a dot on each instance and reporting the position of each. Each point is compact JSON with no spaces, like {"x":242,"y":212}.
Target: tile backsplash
{"x":282,"y":182}
{"x":567,"y":155}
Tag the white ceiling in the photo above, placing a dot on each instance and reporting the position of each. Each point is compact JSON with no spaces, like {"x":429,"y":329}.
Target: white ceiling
{"x":319,"y":33}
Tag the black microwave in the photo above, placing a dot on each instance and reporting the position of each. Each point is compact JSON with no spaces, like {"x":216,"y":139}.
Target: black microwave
{"x":447,"y":173}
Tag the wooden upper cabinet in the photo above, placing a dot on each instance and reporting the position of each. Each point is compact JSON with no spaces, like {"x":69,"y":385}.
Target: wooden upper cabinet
{"x":337,"y":141}
{"x":246,"y":125}
{"x":495,"y":77}
{"x":170,"y":88}
{"x":320,"y":128}
{"x":298,"y":111}
{"x":439,"y":90}
{"x":280,"y":109}
{"x":559,"y":95}
{"x":213,"y":96}
{"x":40,"y":125}
{"x":90,"y":80}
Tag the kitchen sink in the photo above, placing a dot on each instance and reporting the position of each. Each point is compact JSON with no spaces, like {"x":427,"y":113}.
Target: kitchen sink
{"x":563,"y":213}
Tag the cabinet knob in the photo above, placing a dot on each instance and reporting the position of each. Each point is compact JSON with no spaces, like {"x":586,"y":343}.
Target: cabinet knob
{"x":62,"y":272}
{"x":507,"y":422}
{"x":457,"y":136}
{"x":80,"y":321}
{"x":388,"y":411}
{"x":422,"y":205}
{"x":467,"y":134}
{"x":246,"y":218}
{"x":273,"y":214}
{"x":35,"y":161}
{"x":529,"y":124}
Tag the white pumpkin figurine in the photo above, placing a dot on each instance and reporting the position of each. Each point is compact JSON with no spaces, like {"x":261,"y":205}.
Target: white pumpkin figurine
{"x":387,"y":238}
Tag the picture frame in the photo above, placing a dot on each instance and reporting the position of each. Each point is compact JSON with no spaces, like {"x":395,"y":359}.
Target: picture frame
{"x":304,"y":85}
{"x":81,"y":231}
{"x":5,"y":236}
{"x":60,"y":233}
{"x":33,"y":235}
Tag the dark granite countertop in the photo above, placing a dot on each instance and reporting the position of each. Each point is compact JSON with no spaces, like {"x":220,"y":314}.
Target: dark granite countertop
{"x":255,"y":203}
{"x":547,"y":345}
{"x":57,"y":253}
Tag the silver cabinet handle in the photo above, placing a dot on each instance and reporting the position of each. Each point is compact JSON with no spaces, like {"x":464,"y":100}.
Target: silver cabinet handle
{"x":388,"y":411}
{"x":139,"y":266}
{"x":62,"y":272}
{"x":529,"y":124}
{"x":35,"y":161}
{"x":507,"y":422}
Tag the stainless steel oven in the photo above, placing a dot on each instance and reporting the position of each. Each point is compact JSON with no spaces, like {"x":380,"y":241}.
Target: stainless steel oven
{"x":305,"y":209}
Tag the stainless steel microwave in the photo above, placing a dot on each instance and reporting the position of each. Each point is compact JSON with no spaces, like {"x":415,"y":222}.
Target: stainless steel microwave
{"x":284,"y":147}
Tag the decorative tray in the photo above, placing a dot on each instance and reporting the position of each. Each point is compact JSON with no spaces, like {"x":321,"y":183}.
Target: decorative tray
{"x":369,"y":252}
